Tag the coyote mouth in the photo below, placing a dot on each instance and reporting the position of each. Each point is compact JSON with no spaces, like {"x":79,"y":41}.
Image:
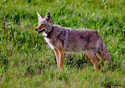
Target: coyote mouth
{"x":40,"y":31}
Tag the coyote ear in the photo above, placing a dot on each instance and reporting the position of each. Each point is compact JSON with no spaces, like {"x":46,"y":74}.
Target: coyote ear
{"x":39,"y":16}
{"x":48,"y":17}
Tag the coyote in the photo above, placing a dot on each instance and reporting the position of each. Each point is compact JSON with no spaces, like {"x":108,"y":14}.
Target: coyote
{"x":65,"y":39}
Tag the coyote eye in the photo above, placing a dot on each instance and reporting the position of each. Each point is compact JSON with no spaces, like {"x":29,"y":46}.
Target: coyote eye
{"x":42,"y":24}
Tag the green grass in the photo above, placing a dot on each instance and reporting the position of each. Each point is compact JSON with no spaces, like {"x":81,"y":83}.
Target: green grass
{"x":26,"y":60}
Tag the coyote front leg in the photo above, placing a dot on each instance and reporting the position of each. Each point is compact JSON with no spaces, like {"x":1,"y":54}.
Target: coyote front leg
{"x":93,"y":58}
{"x":98,"y":60}
{"x":61,"y":58}
{"x":59,"y":54}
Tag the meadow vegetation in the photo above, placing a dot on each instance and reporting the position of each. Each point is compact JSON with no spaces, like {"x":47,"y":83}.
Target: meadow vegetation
{"x":26,"y":60}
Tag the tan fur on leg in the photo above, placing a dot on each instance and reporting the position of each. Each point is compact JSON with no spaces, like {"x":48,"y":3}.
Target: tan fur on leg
{"x":92,"y":56}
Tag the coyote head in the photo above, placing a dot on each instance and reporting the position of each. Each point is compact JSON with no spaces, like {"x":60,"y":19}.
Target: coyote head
{"x":44,"y":23}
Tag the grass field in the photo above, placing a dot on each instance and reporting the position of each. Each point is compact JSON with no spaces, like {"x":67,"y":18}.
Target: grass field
{"x":27,"y":61}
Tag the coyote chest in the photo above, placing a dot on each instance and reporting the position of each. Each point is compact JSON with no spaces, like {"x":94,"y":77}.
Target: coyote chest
{"x":49,"y":41}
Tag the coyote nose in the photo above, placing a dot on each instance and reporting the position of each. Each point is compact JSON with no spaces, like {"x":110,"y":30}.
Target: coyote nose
{"x":36,"y":29}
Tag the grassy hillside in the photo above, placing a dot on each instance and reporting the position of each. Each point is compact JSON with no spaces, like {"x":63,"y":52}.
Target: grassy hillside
{"x":26,"y":60}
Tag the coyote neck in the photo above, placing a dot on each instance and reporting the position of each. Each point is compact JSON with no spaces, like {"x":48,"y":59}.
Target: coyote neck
{"x":49,"y":33}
